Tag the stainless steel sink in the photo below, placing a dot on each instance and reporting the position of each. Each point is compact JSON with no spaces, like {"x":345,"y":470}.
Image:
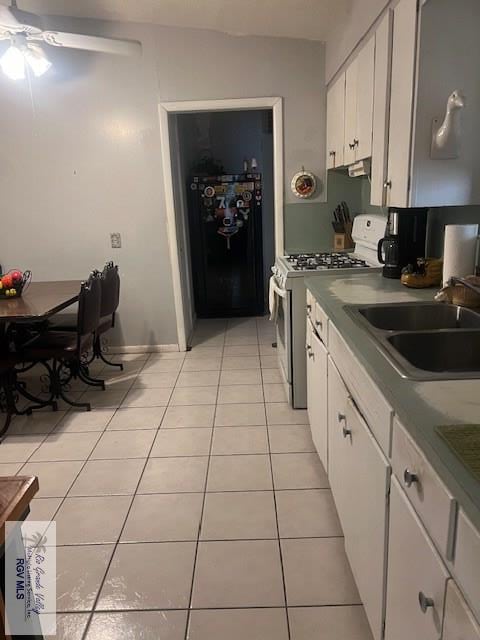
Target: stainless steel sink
{"x":443,"y":352}
{"x":419,"y":317}
{"x":425,"y":341}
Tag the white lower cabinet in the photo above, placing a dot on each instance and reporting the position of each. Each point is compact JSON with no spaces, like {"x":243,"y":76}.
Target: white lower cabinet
{"x":459,"y":623}
{"x":393,"y":523}
{"x":416,"y":576}
{"x":359,"y":477}
{"x":317,"y":357}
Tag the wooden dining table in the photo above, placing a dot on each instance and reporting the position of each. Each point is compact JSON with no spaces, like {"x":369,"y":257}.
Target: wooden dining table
{"x":40,"y":301}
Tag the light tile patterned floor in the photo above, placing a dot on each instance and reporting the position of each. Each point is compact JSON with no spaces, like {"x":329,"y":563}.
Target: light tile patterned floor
{"x":190,"y":503}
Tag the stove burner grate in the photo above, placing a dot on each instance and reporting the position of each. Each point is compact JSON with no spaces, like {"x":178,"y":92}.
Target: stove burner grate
{"x":321,"y":261}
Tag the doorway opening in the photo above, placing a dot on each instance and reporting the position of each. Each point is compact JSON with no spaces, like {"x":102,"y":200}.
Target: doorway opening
{"x":223,"y":167}
{"x":227,"y":162}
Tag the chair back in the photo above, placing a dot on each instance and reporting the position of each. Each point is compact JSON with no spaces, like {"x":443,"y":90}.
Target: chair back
{"x":89,"y":301}
{"x":110,"y":290}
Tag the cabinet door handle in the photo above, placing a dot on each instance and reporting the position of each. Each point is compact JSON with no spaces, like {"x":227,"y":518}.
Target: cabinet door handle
{"x":319,"y":323}
{"x":346,"y":432}
{"x":341,"y":416}
{"x":352,"y":145}
{"x":425,"y":602}
{"x":387,"y":184}
{"x":309,"y":308}
{"x":409,"y":477}
{"x":355,"y":142}
{"x":332,"y":154}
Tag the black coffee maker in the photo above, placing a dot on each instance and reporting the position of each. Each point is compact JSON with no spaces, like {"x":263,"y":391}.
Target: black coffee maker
{"x":404,"y":241}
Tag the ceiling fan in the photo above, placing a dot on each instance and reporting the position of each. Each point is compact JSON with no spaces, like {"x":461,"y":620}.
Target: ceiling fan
{"x":25,"y":34}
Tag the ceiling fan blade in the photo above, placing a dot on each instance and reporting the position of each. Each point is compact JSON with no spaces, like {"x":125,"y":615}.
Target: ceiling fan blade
{"x":91,"y":43}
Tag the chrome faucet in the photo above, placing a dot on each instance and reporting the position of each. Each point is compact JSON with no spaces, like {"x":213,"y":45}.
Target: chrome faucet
{"x":466,"y":283}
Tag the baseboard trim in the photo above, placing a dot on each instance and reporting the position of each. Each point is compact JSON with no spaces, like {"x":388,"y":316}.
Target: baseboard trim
{"x":144,"y":348}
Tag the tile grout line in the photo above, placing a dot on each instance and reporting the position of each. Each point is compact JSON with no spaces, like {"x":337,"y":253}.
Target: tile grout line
{"x":115,"y":547}
{"x":247,"y":608}
{"x":88,"y":459}
{"x":187,"y":625}
{"x":278,"y":528}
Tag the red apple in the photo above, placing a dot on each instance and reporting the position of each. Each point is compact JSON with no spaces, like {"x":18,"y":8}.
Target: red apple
{"x":7,"y":281}
{"x":16,"y":276}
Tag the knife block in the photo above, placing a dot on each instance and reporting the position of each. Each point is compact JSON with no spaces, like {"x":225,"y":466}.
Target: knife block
{"x":344,"y":241}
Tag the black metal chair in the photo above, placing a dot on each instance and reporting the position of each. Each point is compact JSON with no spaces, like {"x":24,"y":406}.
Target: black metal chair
{"x":109,"y":305}
{"x":110,"y":298}
{"x":66,"y":350}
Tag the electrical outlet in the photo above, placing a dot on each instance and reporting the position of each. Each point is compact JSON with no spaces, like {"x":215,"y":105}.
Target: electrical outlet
{"x":116,"y":240}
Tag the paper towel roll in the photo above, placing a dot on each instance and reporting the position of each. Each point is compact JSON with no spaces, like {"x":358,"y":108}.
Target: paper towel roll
{"x":459,"y":251}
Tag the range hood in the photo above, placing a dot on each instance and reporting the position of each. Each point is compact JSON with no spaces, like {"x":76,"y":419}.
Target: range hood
{"x":360,"y":168}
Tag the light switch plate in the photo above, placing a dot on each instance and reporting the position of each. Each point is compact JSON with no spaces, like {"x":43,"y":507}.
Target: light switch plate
{"x":116,"y":240}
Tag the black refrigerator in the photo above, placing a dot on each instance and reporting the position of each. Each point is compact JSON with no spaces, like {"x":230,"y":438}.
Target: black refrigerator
{"x":225,"y":227}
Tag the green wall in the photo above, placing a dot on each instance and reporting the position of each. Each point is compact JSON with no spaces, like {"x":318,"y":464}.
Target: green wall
{"x":308,"y":225}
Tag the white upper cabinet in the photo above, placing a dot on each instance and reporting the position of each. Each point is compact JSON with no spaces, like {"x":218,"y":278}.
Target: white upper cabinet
{"x":365,"y":80}
{"x":401,"y":102}
{"x":448,"y":60}
{"x":381,"y":109}
{"x":351,"y":76}
{"x":426,"y":70}
{"x":350,"y":111}
{"x":359,"y":104}
{"x":336,"y":123}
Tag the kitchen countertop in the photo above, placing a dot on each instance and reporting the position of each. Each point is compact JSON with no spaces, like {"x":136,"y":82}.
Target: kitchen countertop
{"x":420,"y":406}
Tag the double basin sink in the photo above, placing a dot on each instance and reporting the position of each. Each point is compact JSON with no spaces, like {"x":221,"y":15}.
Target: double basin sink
{"x":425,"y":341}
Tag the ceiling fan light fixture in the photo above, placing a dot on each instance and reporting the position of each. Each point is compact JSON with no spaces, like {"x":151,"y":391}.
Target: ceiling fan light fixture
{"x":37,"y":60}
{"x":12,"y":63}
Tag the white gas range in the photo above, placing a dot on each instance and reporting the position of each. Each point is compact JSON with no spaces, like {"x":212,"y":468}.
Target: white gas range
{"x":289,"y":272}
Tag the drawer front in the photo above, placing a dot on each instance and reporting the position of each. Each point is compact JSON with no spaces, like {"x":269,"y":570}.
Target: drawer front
{"x":430,"y":498}
{"x":467,"y":561}
{"x":311,"y":307}
{"x":321,"y":323}
{"x":416,"y":577}
{"x":459,"y":623}
{"x":374,"y":407}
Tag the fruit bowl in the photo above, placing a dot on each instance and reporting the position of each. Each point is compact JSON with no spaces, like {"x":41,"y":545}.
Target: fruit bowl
{"x":13,"y":283}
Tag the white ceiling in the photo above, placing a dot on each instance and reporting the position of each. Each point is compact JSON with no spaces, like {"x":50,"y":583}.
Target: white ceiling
{"x":311,"y":19}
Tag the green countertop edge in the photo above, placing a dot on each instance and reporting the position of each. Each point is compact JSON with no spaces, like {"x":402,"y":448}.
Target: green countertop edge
{"x":414,"y":412}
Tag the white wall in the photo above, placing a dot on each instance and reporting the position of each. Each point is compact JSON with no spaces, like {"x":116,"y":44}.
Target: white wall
{"x":348,"y":33}
{"x":80,"y":153}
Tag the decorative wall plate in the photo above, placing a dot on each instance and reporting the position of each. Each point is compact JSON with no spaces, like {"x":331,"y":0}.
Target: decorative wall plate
{"x":304,"y":184}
